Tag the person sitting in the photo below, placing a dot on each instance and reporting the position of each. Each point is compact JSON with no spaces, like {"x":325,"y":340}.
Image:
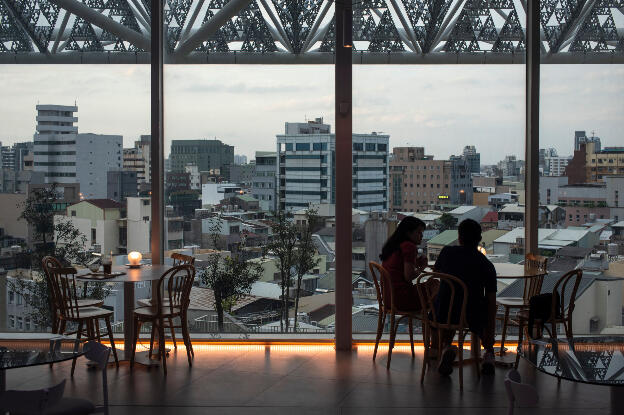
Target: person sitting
{"x":477,"y":272}
{"x":399,"y":257}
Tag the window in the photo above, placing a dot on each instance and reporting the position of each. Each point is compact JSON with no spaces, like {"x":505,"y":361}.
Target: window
{"x":289,"y":146}
{"x":358,"y":147}
{"x":303,"y":146}
{"x":370,"y":146}
{"x":319,"y":146}
{"x":382,"y":147}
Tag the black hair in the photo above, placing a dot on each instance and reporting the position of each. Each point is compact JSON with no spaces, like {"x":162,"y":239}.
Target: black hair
{"x":408,"y":224}
{"x":469,"y":233}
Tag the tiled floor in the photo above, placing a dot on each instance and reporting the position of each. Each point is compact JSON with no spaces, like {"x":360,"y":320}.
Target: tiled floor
{"x":304,"y":380}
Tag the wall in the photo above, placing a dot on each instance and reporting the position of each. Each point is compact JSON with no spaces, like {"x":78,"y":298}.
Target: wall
{"x":9,"y":218}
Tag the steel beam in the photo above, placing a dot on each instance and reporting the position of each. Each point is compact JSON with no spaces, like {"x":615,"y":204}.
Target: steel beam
{"x":23,"y":25}
{"x":344,"y":192}
{"x":409,"y":31}
{"x":61,"y":31}
{"x":191,"y":21}
{"x":315,"y":27}
{"x":568,"y":35}
{"x":279,"y":33}
{"x":210,"y":27}
{"x":532,"y":78}
{"x":106,"y":23}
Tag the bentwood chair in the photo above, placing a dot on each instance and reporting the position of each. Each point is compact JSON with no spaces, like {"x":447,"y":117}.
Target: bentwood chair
{"x":391,"y":309}
{"x":456,"y":302}
{"x":531,"y":286}
{"x":172,"y":302}
{"x":518,"y":393}
{"x":49,"y":263}
{"x":87,"y":318}
{"x":178,"y":259}
{"x":560,"y":311}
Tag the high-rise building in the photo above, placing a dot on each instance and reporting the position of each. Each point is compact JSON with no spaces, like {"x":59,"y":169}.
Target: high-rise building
{"x":590,"y":165}
{"x":263,"y":180}
{"x":55,"y":143}
{"x":138,"y":159}
{"x":306,"y":167}
{"x":510,"y":166}
{"x":473,"y":158}
{"x":96,"y":154}
{"x":22,"y":151}
{"x":418,"y":182}
{"x":580,"y":137}
{"x":7,"y":157}
{"x":240,"y":159}
{"x":205,"y":154}
{"x":121,"y":184}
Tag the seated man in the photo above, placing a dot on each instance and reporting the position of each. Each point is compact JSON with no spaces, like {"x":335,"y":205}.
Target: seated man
{"x":477,"y":272}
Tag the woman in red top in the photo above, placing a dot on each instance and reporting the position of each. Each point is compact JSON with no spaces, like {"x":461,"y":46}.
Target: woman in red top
{"x":400,"y":258}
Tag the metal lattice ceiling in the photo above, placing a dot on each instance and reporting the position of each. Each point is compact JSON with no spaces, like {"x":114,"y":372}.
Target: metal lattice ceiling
{"x":302,"y":31}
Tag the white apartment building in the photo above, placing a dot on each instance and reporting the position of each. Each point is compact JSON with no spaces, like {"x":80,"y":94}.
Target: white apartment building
{"x":96,"y":154}
{"x":138,"y":158}
{"x":138,"y":222}
{"x":55,"y":143}
{"x":263,"y":182}
{"x":306,"y":167}
{"x":556,"y":165}
{"x":213,"y":193}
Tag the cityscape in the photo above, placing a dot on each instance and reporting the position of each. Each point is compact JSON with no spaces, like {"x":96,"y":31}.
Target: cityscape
{"x":218,"y":200}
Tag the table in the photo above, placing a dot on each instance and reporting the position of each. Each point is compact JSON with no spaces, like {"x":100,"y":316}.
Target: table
{"x":597,"y":360}
{"x":28,"y":354}
{"x":147,"y":272}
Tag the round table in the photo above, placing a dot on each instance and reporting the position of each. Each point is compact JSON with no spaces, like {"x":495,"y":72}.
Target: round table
{"x":24,"y":354}
{"x":598,"y":360}
{"x":147,"y":272}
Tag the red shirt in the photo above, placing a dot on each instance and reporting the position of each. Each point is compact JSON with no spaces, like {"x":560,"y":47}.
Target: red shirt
{"x":406,"y":292}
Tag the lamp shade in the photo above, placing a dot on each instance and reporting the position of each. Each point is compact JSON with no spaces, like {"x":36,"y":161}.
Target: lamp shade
{"x":482,"y":250}
{"x":134,"y":258}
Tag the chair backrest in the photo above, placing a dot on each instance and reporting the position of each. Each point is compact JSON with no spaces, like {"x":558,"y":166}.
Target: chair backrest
{"x":181,"y":259}
{"x":48,"y":263}
{"x":533,"y":285}
{"x":567,"y":286}
{"x":179,"y":281}
{"x":375,"y":269}
{"x":99,"y":353}
{"x":32,"y":402}
{"x":67,"y":297}
{"x":457,"y":300}
{"x":519,"y":393}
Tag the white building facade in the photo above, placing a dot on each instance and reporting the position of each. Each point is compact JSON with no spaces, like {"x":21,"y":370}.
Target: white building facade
{"x":55,"y":143}
{"x":263,"y":184}
{"x":96,"y":154}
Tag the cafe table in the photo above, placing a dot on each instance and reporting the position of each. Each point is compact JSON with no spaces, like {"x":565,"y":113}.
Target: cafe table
{"x":18,"y":354}
{"x":129,"y":277}
{"x":596,"y":360}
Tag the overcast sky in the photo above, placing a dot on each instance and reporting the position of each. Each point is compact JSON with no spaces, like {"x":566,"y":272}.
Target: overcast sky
{"x":441,"y":107}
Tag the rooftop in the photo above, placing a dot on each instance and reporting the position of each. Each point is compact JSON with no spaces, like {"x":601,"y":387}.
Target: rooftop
{"x":445,"y":238}
{"x":102,"y":203}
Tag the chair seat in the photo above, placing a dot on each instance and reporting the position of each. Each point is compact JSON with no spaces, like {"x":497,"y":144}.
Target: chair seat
{"x":513,"y":302}
{"x":91,"y":312}
{"x":90,"y":302}
{"x":147,"y":302}
{"x":153,"y":311}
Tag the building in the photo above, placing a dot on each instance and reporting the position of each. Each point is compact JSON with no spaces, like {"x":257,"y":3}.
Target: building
{"x":591,"y":165}
{"x":99,"y":220}
{"x":96,"y":154}
{"x":194,"y":176}
{"x":55,"y":143}
{"x":438,"y":242}
{"x":306,"y":165}
{"x":264,"y":179}
{"x":418,"y":182}
{"x":580,"y":137}
{"x":214,"y":193}
{"x":242,"y":174}
{"x":138,"y":222}
{"x":205,"y":154}
{"x":138,"y":159}
{"x":473,"y":158}
{"x":240,"y":159}
{"x":17,"y":181}
{"x":7,"y":157}
{"x":510,"y":166}
{"x":121,"y":184}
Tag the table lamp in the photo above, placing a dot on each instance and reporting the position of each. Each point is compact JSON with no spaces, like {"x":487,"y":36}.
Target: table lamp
{"x":134,"y":259}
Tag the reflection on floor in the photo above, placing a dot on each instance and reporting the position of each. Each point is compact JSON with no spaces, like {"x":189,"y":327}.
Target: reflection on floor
{"x":305,"y":379}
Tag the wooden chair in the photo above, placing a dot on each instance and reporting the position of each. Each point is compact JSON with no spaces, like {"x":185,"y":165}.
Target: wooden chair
{"x":519,"y":393}
{"x":531,"y":287}
{"x":178,"y":259}
{"x":431,"y":322}
{"x":48,"y":263}
{"x":385,"y":309}
{"x":566,"y":287}
{"x":170,"y":304}
{"x":87,"y":318}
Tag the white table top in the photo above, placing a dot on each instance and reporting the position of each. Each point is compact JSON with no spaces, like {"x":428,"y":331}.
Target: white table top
{"x":147,"y":272}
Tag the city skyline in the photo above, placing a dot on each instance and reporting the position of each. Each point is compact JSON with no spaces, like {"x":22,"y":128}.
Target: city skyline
{"x":457,"y":105}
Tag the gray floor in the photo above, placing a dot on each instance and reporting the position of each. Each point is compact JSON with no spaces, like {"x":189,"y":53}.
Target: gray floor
{"x":305,"y":380}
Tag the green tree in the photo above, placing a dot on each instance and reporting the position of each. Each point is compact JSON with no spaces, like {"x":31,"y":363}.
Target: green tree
{"x":305,"y":254}
{"x":230,"y":278}
{"x":446,"y":221}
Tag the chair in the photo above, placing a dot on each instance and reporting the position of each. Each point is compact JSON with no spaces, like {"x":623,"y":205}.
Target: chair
{"x":179,"y":281}
{"x":430,"y":321}
{"x":561,"y":315}
{"x":532,"y":286}
{"x":519,"y":393}
{"x":385,"y":309}
{"x":48,"y":263}
{"x":178,"y":259}
{"x":87,"y":318}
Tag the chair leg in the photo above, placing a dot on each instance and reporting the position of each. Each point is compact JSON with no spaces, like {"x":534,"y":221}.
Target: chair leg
{"x":187,"y":342}
{"x":63,"y":323}
{"x":173,"y":338}
{"x":475,"y":348}
{"x":521,"y":329}
{"x":112,"y":340}
{"x":161,"y":345}
{"x":426,"y":341}
{"x":135,"y":339}
{"x":151,"y":347}
{"x":97,"y":331}
{"x":78,"y":333}
{"x":184,"y":321}
{"x":392,"y":336}
{"x":504,"y":334}
{"x":411,"y":333}
{"x":460,"y":356}
{"x":380,"y":324}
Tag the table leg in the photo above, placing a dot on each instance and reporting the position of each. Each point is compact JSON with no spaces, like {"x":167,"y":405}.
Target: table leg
{"x":2,"y":380}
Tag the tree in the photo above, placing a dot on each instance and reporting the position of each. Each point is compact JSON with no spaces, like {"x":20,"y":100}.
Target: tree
{"x":447,"y":221}
{"x":305,"y":255}
{"x":282,"y":245}
{"x":230,"y":278}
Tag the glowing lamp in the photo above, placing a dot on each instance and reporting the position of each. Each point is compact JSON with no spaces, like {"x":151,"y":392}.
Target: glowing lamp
{"x":482,"y":250}
{"x":134,"y":259}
